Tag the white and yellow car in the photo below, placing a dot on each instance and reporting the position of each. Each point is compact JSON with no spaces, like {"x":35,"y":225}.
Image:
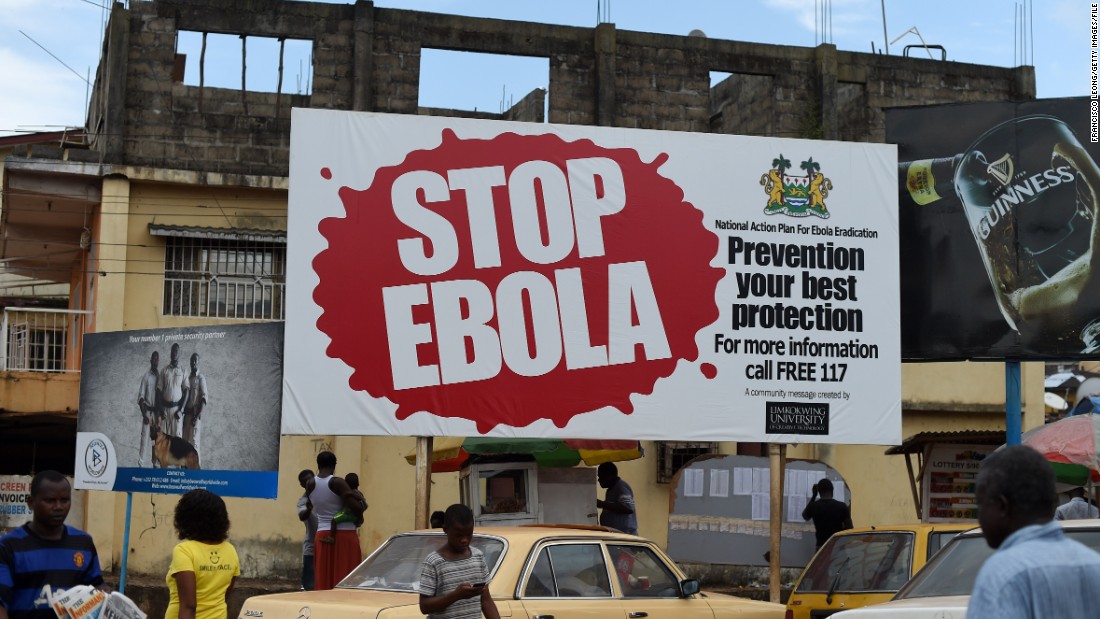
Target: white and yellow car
{"x":941,"y":590}
{"x":536,"y":572}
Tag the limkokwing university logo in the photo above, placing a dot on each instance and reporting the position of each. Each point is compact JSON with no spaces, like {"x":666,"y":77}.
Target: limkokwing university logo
{"x":793,"y":195}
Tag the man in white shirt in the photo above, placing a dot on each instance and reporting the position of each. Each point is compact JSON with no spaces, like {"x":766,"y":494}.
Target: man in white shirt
{"x":197,"y":399}
{"x":1077,"y":508}
{"x":147,"y":403}
{"x":173,"y":391}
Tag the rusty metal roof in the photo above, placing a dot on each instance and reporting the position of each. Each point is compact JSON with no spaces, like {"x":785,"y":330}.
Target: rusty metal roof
{"x":917,"y":442}
{"x":225,"y":234}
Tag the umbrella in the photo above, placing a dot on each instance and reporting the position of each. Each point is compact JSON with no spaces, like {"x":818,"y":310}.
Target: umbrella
{"x":449,"y":453}
{"x":1088,"y":404}
{"x":1060,"y":380}
{"x":1089,"y":386}
{"x":1071,"y":445}
{"x":1055,"y":401}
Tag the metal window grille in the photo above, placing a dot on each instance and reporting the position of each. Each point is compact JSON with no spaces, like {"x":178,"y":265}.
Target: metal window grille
{"x":217,"y":278}
{"x":39,"y":340}
{"x":672,"y":456}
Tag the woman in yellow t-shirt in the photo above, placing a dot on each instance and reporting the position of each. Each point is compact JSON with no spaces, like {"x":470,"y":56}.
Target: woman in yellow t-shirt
{"x":204,"y":564}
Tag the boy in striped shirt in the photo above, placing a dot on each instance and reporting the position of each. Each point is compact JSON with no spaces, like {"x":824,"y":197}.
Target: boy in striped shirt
{"x":454,"y":579}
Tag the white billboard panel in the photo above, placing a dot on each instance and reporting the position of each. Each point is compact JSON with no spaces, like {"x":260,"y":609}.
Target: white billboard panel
{"x":467,"y":277}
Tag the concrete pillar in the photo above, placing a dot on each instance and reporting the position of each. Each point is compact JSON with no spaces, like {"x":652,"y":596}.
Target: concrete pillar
{"x":1032,"y":374}
{"x":1023,"y":89}
{"x":605,"y":74}
{"x":114,"y":103}
{"x":109,"y":291}
{"x":825,"y":61}
{"x":363,"y":63}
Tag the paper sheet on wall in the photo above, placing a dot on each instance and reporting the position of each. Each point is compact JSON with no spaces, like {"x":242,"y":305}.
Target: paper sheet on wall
{"x":795,"y":505}
{"x":761,"y":480}
{"x":693,"y":482}
{"x":719,"y":483}
{"x":839,"y":491}
{"x":742,"y":481}
{"x":761,"y":506}
{"x":796,"y":483}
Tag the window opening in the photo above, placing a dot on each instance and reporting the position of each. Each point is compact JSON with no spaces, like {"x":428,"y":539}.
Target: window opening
{"x":493,"y":84}
{"x":214,"y":278}
{"x":672,"y":456}
{"x":269,"y":64}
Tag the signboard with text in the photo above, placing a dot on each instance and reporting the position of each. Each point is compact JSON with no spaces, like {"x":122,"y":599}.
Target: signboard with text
{"x":998,"y":203}
{"x":466,"y":277}
{"x":949,"y":482}
{"x":169,"y":410}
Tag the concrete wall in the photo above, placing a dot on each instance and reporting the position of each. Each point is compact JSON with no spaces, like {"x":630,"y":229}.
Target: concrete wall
{"x":367,"y":58}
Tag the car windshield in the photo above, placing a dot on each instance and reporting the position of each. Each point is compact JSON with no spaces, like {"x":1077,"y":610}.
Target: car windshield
{"x":396,"y":565}
{"x":953,"y":570}
{"x":878,"y":561}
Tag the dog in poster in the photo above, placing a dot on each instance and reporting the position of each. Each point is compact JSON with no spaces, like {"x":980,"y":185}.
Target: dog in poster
{"x":173,"y":450}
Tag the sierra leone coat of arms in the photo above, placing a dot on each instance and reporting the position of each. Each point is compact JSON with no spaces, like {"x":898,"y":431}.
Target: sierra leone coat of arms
{"x":796,"y":195}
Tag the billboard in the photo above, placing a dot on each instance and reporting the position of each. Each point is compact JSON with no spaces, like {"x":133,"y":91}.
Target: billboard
{"x":169,"y":410}
{"x":998,"y":213}
{"x":462,"y":277}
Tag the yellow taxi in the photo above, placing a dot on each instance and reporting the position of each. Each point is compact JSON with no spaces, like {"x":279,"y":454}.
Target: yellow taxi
{"x":536,"y":571}
{"x":865,"y":566}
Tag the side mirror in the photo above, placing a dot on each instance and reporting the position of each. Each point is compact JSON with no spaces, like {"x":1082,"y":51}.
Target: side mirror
{"x":689,"y":587}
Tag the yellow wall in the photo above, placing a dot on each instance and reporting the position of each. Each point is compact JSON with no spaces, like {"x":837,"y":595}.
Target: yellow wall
{"x":938,"y":397}
{"x":26,"y":392}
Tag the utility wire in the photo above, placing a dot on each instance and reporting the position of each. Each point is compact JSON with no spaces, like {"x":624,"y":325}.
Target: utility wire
{"x":82,"y":78}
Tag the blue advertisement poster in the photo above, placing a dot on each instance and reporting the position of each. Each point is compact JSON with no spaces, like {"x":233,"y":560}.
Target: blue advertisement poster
{"x":169,"y":410}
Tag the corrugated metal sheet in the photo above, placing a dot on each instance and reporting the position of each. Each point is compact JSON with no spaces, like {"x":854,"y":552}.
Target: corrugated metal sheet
{"x":917,"y":442}
{"x":225,"y":234}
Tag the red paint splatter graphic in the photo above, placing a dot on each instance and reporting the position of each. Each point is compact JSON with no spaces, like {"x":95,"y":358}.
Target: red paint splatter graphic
{"x":513,"y":279}
{"x":708,"y":371}
{"x":326,"y":173}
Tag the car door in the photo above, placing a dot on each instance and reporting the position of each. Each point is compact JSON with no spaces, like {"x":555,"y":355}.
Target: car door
{"x":649,"y":587}
{"x":568,"y":580}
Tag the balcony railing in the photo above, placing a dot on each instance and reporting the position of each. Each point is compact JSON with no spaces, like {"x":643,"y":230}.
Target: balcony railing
{"x":41,"y":340}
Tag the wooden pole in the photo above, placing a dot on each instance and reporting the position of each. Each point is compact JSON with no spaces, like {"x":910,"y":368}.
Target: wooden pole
{"x":913,"y":486}
{"x":423,"y":480}
{"x":776,"y":455}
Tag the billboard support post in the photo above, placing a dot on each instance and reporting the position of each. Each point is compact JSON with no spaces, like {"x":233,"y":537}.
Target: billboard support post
{"x":424,"y":445}
{"x":125,"y":543}
{"x":776,"y":455}
{"x":1013,"y":403}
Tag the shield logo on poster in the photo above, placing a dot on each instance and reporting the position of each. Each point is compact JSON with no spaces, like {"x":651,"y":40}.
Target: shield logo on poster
{"x":97,"y":463}
{"x":96,"y":458}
